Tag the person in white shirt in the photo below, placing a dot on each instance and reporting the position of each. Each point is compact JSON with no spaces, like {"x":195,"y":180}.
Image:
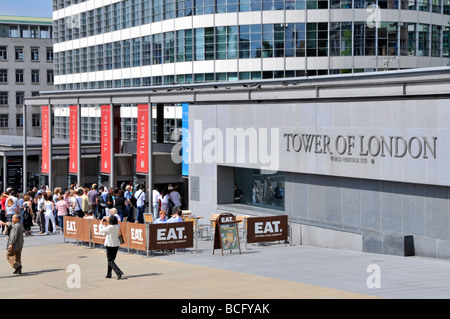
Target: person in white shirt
{"x":111,"y":231}
{"x":156,"y":199}
{"x":140,"y":203}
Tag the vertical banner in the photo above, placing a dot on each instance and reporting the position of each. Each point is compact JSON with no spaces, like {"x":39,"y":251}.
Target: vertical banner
{"x":45,"y":139}
{"x":142,"y":139}
{"x":185,"y":141}
{"x":105,"y":139}
{"x":73,"y":147}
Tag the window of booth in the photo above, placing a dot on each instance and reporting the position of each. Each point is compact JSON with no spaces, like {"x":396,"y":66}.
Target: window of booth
{"x":259,"y":188}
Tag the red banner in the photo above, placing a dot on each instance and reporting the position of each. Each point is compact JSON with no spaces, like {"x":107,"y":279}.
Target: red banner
{"x":142,"y":139}
{"x":106,"y":139}
{"x":73,"y":147}
{"x":45,"y":139}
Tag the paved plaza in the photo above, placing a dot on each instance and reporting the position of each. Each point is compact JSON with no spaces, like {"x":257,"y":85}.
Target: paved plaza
{"x":276,"y":271}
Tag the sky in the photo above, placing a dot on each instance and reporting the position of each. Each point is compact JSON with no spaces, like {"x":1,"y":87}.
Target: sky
{"x":26,"y":8}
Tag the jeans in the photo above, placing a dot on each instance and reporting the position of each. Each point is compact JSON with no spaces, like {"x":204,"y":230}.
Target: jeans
{"x":122,"y":213}
{"x":61,"y":222}
{"x":140,"y":214}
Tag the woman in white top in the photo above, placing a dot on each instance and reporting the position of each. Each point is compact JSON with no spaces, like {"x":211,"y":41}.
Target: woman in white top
{"x":49,"y":216}
{"x":11,"y":209}
{"x":112,"y":244}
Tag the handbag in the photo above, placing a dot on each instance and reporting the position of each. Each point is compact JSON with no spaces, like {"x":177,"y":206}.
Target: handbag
{"x":121,"y":240}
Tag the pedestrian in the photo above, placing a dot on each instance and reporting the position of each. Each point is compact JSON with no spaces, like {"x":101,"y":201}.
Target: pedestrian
{"x":56,"y":193}
{"x":93,"y":198}
{"x":3,"y":199}
{"x":62,"y":209}
{"x":109,"y":201}
{"x":101,"y":202}
{"x":15,"y":244}
{"x":49,"y":216}
{"x":120,"y":205}
{"x":156,"y":202}
{"x":165,"y":204}
{"x":128,"y":203}
{"x":27,"y":215}
{"x":175,"y":198}
{"x":11,"y":209}
{"x":140,"y":204}
{"x":78,"y":204}
{"x":85,"y":200}
{"x":112,"y":243}
{"x":19,"y":205}
{"x":68,"y":198}
{"x":40,"y":218}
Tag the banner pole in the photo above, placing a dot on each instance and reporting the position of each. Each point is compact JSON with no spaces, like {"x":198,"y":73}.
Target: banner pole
{"x":128,"y":238}
{"x":89,"y":227}
{"x":147,"y":231}
{"x":245,"y":233}
{"x":79,"y":145}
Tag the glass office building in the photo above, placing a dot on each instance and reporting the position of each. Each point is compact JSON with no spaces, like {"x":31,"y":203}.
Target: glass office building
{"x":135,"y":43}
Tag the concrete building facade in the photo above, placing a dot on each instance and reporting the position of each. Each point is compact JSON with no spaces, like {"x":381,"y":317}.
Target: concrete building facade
{"x":26,"y":68}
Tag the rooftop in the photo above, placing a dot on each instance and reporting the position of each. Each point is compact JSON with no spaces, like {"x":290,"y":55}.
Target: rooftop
{"x":25,"y":20}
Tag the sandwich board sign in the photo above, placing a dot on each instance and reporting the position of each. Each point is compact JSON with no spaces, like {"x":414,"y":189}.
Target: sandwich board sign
{"x":226,"y":234}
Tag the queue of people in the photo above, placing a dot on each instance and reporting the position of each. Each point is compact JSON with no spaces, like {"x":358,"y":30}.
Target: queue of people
{"x":47,"y":208}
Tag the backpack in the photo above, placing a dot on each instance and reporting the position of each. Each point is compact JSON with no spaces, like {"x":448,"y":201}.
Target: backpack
{"x":26,"y":212}
{"x":101,"y":200}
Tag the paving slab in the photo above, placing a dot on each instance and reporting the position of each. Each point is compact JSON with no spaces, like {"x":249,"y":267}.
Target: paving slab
{"x":55,"y":268}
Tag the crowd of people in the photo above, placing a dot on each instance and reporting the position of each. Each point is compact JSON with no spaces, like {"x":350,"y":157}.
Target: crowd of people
{"x":47,"y":208}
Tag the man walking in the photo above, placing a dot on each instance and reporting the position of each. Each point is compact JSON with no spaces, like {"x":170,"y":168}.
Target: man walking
{"x":15,"y":244}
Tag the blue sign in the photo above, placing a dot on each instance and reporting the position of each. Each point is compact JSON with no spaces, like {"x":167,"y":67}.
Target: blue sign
{"x":185,"y":149}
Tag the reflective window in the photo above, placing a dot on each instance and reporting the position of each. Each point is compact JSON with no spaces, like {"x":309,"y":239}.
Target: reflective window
{"x":423,"y":43}
{"x":435,"y":41}
{"x":317,"y":39}
{"x":446,"y":43}
{"x":387,"y":38}
{"x":340,"y":38}
{"x":254,"y":187}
